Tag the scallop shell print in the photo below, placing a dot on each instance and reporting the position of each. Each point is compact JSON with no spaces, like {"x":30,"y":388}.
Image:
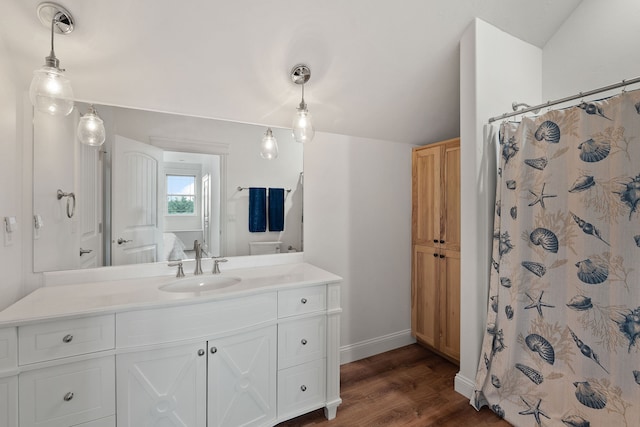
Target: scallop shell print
{"x":548,"y":131}
{"x":588,"y":396}
{"x":531,"y":373}
{"x":575,"y":421}
{"x":544,"y":238}
{"x":535,"y":267}
{"x":630,"y":196}
{"x":540,"y":163}
{"x":592,"y":151}
{"x":583,"y":183}
{"x":580,"y":303}
{"x":591,"y":272}
{"x":541,"y":346}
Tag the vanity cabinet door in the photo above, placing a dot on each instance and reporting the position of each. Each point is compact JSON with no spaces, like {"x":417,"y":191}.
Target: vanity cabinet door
{"x":242,"y":379}
{"x":162,"y":387}
{"x":9,"y":401}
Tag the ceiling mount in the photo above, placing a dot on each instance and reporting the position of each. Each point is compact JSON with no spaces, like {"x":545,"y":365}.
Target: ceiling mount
{"x":52,"y":12}
{"x":300,"y":74}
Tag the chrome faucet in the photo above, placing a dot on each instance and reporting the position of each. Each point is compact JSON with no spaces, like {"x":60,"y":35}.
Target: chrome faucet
{"x":197,"y":247}
{"x":180,"y":272}
{"x":216,"y":267}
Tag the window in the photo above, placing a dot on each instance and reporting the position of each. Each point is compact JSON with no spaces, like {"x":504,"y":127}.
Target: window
{"x":181,"y":194}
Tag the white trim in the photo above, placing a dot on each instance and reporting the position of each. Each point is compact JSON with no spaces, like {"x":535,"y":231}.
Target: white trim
{"x":464,"y":385}
{"x":189,"y":145}
{"x":360,"y":350}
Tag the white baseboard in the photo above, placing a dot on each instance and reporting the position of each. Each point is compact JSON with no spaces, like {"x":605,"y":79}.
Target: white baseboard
{"x":464,"y":385}
{"x":362,"y":349}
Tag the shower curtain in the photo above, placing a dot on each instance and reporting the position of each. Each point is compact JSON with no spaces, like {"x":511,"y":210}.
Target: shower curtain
{"x":562,"y":340}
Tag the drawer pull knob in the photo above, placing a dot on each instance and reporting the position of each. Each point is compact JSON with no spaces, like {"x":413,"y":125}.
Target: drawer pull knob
{"x":201,"y":352}
{"x":67,"y":339}
{"x":303,"y":300}
{"x":68,"y":396}
{"x":303,"y":387}
{"x":214,"y":350}
{"x":304,"y":341}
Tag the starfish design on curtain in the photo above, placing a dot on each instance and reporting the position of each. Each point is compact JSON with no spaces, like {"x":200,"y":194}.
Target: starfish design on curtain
{"x":533,"y":410}
{"x":540,"y":198}
{"x":538,"y":304}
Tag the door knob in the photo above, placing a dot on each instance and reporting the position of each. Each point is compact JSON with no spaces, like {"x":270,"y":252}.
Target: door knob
{"x":122,"y":241}
{"x":85,"y":251}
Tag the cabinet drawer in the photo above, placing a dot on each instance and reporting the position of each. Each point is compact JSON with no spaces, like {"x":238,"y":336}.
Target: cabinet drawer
{"x":301,"y":389}
{"x":301,"y":301}
{"x":102,"y":422}
{"x":8,"y":349}
{"x":54,"y":340}
{"x":67,"y":395}
{"x":301,"y":341}
{"x":163,"y":325}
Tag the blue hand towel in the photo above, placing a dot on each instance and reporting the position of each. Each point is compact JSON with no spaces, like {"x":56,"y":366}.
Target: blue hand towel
{"x":276,"y":209}
{"x":257,"y":209}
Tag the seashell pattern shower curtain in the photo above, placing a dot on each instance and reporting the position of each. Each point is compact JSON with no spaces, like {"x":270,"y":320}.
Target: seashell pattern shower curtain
{"x":562,"y":342}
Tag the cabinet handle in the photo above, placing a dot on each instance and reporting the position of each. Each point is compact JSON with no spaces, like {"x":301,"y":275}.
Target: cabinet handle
{"x":201,"y":352}
{"x":303,"y":387}
{"x":67,"y":397}
{"x":441,"y":241}
{"x":441,"y":256}
{"x":435,"y":240}
{"x":67,"y":339}
{"x":213,"y":350}
{"x":304,"y":341}
{"x":435,"y":255}
{"x":303,"y":300}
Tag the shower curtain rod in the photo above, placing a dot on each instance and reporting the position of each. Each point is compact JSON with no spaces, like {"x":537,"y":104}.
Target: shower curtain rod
{"x":568,"y":98}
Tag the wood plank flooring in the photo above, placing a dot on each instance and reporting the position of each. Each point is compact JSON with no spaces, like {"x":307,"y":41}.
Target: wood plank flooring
{"x":410,"y":386}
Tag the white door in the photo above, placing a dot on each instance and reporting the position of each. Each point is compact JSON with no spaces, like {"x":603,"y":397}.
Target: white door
{"x":89,"y":206}
{"x":242,"y":379}
{"x":163,"y":387}
{"x":137,"y":186}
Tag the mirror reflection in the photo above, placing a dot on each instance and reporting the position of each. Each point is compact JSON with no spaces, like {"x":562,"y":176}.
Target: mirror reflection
{"x":158,"y":183}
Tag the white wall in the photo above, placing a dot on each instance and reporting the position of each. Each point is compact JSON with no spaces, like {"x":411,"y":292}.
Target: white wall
{"x":358,"y":225}
{"x":495,"y":70}
{"x":11,"y":179}
{"x":596,"y":46}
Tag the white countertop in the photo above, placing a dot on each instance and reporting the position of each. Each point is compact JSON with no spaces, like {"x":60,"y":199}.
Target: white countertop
{"x":83,"y":299}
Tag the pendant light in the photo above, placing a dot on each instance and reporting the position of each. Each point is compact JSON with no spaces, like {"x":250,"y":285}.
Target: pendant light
{"x":91,"y":128}
{"x":50,"y":90}
{"x":269,"y":146}
{"x":302,"y":128}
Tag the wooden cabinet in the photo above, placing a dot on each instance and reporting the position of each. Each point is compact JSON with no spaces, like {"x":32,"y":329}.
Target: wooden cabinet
{"x":435,"y":307}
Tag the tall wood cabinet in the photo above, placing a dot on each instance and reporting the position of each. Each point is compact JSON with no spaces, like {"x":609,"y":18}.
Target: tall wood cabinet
{"x":435,"y":288}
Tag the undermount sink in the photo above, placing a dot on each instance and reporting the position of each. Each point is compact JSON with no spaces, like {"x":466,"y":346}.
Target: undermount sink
{"x":199,"y":284}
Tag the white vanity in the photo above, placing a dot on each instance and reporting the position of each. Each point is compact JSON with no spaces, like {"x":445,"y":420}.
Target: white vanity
{"x":154,"y":351}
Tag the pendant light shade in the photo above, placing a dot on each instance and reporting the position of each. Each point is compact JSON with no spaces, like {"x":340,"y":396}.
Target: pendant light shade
{"x":50,"y":90}
{"x":269,"y":146}
{"x":91,"y":129}
{"x":302,"y":127}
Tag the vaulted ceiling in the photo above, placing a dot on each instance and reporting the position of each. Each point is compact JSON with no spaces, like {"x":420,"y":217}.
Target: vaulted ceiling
{"x":384,"y":69}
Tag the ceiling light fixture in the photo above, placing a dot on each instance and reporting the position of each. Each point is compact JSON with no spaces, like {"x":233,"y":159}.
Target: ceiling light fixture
{"x":269,"y":146}
{"x":50,"y":90}
{"x":302,"y":128}
{"x":91,"y":128}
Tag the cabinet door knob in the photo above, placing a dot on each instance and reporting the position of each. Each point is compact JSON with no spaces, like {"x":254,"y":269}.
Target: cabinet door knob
{"x":303,"y":387}
{"x":435,"y":240}
{"x":67,"y":397}
{"x":303,"y":300}
{"x":304,"y":341}
{"x":435,"y":255}
{"x":213,"y":350}
{"x":67,"y":338}
{"x":441,"y":241}
{"x":441,"y":256}
{"x":201,"y":352}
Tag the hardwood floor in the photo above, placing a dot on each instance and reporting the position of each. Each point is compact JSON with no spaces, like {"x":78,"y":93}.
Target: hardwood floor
{"x":410,"y":386}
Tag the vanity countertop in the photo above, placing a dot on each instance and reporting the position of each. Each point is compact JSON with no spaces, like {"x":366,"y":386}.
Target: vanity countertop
{"x":68,"y":301}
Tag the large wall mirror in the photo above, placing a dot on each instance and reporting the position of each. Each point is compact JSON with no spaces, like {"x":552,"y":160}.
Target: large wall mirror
{"x":158,"y":183}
